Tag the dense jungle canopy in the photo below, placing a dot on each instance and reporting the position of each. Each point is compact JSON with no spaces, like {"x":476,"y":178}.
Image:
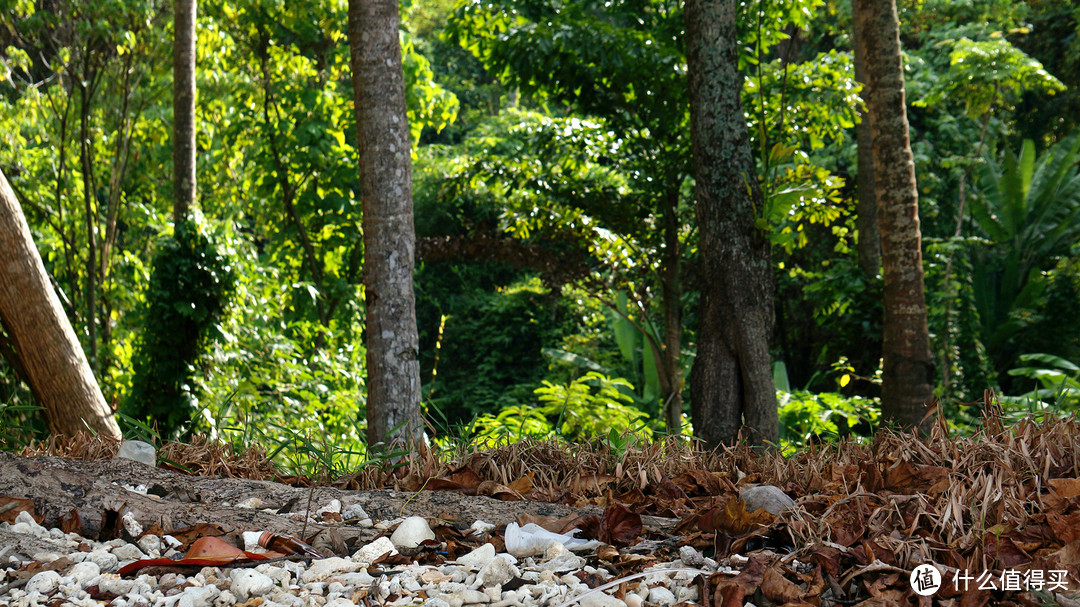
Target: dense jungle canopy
{"x":558,"y":278}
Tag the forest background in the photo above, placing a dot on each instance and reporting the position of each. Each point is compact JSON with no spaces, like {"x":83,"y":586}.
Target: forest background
{"x":557,"y":247}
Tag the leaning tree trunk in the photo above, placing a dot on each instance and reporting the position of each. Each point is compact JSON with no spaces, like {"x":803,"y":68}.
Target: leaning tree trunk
{"x":907,"y":368}
{"x":382,"y":132}
{"x":868,"y":248}
{"x":731,"y":383}
{"x":183,"y":109}
{"x":47,"y":347}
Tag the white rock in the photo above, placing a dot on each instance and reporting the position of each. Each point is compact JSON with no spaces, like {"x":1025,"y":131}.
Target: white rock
{"x":374,"y":550}
{"x":770,"y":498}
{"x":334,"y":506}
{"x":106,"y":561}
{"x":687,"y":594}
{"x":473,"y":597}
{"x":411,"y":532}
{"x":481,"y":527}
{"x":691,"y":557}
{"x":151,"y":545}
{"x":340,"y":602}
{"x":45,"y":582}
{"x":497,"y":572}
{"x":139,"y":451}
{"x":599,"y":599}
{"x":251,"y":502}
{"x":24,"y":523}
{"x":128,"y":552}
{"x":249,"y":583}
{"x":324,"y":568}
{"x":251,"y":540}
{"x":661,"y":596}
{"x":198,"y":596}
{"x":132,"y":526}
{"x":478,"y":557}
{"x":115,"y":585}
{"x":533,"y":539}
{"x":563,"y":562}
{"x":360,"y":579}
{"x":81,"y":573}
{"x":633,"y":599}
{"x":225,"y":599}
{"x":436,"y":602}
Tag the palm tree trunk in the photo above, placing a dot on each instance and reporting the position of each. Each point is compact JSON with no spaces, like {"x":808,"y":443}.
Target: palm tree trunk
{"x":47,"y":347}
{"x":907,"y":368}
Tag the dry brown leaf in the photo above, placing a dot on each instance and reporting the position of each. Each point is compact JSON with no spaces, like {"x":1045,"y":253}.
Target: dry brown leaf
{"x":619,"y":526}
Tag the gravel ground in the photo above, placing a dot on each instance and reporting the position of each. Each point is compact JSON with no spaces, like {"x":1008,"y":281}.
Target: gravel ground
{"x":46,"y":567}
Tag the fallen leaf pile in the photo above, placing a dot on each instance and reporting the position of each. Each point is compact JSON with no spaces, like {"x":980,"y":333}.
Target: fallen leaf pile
{"x":997,"y":512}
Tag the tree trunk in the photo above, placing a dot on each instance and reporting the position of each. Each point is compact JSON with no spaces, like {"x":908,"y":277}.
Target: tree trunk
{"x":183,"y":109}
{"x":868,"y":247}
{"x":48,"y":349}
{"x":908,"y":367}
{"x":731,"y":383}
{"x":672,"y":293}
{"x":382,"y":131}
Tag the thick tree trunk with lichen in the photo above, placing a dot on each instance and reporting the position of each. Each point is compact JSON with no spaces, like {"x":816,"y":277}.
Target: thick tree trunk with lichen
{"x":183,"y":109}
{"x":382,"y":131}
{"x":908,"y":368}
{"x":48,"y":349}
{"x":731,"y":383}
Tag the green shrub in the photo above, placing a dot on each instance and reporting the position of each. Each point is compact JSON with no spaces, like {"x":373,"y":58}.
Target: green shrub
{"x":186,"y":298}
{"x":807,"y":417}
{"x":591,"y":406}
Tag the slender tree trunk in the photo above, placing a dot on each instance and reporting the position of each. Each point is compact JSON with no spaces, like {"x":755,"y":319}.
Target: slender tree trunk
{"x":908,"y":368}
{"x":45,"y":343}
{"x":382,"y":131}
{"x":868,"y":247}
{"x":90,"y":210}
{"x":731,"y":383}
{"x":672,"y":293}
{"x":183,"y":109}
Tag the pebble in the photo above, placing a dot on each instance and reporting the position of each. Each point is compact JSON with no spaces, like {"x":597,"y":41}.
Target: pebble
{"x":547,"y":575}
{"x":411,"y":532}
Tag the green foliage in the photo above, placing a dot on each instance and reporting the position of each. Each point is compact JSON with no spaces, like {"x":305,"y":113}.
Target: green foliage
{"x":806,"y":416}
{"x":1057,"y":384}
{"x":17,"y":425}
{"x":1029,"y":209}
{"x":186,"y":299}
{"x":989,"y":72}
{"x":495,"y":323}
{"x":590,"y":406}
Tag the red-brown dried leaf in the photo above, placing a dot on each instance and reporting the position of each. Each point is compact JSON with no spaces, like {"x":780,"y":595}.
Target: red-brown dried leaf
{"x":498,"y":491}
{"x":463,"y":479}
{"x":619,"y":526}
{"x":779,"y":589}
{"x":21,"y":504}
{"x":71,"y":522}
{"x":187,"y":535}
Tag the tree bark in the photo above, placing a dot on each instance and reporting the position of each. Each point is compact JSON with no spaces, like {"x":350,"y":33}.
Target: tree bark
{"x":48,"y":349}
{"x":672,"y":295}
{"x":731,"y":383}
{"x":184,"y":187}
{"x":382,"y":131}
{"x":868,"y":248}
{"x":908,"y":367}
